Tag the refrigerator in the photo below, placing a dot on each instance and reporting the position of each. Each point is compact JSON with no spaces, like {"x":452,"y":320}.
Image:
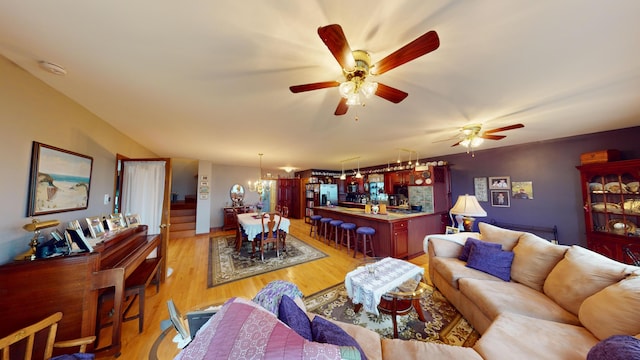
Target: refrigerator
{"x":329,"y":192}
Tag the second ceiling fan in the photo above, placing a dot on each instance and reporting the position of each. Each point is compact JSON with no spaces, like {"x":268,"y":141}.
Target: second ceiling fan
{"x":356,"y":68}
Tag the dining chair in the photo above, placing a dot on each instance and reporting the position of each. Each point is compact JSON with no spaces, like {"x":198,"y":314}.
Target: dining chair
{"x":278,"y":208}
{"x":50,"y":324}
{"x":285,"y":211}
{"x":270,"y":233}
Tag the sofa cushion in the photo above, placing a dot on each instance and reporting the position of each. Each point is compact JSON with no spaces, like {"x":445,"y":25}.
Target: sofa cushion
{"x":269,"y":296}
{"x":491,"y":260}
{"x":243,"y":329}
{"x":580,"y":274}
{"x":453,"y":270}
{"x":507,"y":238}
{"x":327,"y":332}
{"x":412,"y":349}
{"x":614,"y":310}
{"x":617,"y":347}
{"x":471,"y":242}
{"x":513,"y":336}
{"x":496,"y":297}
{"x":534,"y":257}
{"x":368,"y":339}
{"x":290,"y":313}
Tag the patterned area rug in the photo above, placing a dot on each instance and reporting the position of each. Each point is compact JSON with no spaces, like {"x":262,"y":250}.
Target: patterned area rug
{"x":227,"y":265}
{"x":444,"y":323}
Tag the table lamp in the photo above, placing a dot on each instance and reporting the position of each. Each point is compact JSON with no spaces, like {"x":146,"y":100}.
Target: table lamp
{"x":36,"y":226}
{"x":465,"y":208}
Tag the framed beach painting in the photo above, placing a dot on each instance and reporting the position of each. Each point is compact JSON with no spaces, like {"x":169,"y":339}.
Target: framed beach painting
{"x":60,"y":180}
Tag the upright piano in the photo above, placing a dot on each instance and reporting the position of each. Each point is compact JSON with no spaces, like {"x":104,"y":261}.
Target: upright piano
{"x":33,"y":290}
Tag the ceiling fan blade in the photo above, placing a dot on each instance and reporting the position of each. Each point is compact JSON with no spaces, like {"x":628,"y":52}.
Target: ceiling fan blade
{"x":505,"y":128}
{"x":313,"y":86}
{"x":342,"y":107}
{"x":392,"y":94}
{"x":333,"y":36}
{"x":493,"y":137}
{"x":413,"y":50}
{"x":456,"y":144}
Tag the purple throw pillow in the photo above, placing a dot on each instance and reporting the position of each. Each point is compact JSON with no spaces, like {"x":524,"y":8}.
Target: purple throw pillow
{"x":324,"y":331}
{"x":464,"y":254}
{"x":290,"y":313}
{"x":616,"y":347}
{"x":491,"y":261}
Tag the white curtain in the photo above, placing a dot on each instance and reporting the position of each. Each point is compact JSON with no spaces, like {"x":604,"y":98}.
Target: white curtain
{"x":143,"y":192}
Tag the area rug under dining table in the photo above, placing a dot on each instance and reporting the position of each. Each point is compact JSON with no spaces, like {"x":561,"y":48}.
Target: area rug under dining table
{"x":227,"y":265}
{"x":444,"y":324}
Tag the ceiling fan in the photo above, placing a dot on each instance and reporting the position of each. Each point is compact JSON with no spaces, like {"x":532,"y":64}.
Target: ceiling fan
{"x":357,"y":67}
{"x":470,"y":136}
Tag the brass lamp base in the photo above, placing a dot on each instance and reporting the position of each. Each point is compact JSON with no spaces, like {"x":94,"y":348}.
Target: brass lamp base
{"x":467,"y":223}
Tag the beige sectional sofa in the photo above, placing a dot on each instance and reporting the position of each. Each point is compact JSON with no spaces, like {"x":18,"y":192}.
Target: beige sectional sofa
{"x":559,"y":302}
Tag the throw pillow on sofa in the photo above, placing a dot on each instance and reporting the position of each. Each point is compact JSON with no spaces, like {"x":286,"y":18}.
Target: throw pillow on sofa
{"x":507,"y":238}
{"x":269,"y":296}
{"x":617,"y":347}
{"x":491,"y":260}
{"x":534,"y":258}
{"x":324,"y":331}
{"x":613,"y":310}
{"x":464,"y":254}
{"x":580,"y":274}
{"x":291,"y":314}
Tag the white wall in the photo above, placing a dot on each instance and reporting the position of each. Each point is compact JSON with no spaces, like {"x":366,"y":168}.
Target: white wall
{"x":30,"y":111}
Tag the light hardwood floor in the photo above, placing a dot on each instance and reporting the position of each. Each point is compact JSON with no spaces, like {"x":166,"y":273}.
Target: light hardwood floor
{"x":187,"y":286}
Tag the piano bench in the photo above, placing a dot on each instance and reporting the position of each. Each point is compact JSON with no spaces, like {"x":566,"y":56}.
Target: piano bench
{"x":135,"y":286}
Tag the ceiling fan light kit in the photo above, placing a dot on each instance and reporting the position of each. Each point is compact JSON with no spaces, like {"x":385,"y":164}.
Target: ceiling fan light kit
{"x":356,"y":67}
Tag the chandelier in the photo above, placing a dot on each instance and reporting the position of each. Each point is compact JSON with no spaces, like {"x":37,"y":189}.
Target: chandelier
{"x":357,"y":88}
{"x":260,"y":185}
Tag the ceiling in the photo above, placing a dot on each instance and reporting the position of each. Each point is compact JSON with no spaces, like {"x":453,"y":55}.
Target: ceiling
{"x":210,"y":80}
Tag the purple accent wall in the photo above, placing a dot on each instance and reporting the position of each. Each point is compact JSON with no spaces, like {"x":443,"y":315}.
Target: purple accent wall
{"x":551,"y":166}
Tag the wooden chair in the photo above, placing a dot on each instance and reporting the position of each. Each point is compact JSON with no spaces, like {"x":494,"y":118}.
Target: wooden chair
{"x":402,"y":300}
{"x":134,"y":287}
{"x":285,"y":211}
{"x":241,"y":235}
{"x":29,"y":333}
{"x":270,"y":233}
{"x":278,"y":208}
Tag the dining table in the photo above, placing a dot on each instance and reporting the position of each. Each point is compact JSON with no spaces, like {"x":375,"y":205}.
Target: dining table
{"x":252,"y":223}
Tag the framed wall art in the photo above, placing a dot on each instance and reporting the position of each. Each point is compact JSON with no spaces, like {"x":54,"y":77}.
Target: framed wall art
{"x":522,"y":190}
{"x":480,"y":186}
{"x":499,"y":183}
{"x":60,"y":180}
{"x":500,"y":198}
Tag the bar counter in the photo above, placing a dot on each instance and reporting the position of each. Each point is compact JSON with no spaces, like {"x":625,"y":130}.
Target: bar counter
{"x":398,"y":234}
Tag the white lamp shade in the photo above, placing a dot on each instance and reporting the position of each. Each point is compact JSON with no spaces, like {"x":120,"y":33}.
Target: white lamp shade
{"x":467,"y":205}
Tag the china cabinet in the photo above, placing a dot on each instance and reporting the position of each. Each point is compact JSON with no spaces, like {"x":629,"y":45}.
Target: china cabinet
{"x":611,"y":199}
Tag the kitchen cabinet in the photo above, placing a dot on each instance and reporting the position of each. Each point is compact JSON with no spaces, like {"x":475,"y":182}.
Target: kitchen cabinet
{"x":400,"y":239}
{"x":611,"y":201}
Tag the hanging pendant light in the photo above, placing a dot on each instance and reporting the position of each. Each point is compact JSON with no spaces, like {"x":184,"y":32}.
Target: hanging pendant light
{"x":358,"y":174}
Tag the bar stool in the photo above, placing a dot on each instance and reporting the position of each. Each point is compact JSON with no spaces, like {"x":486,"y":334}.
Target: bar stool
{"x":365,"y":235}
{"x":323,"y":230}
{"x":335,"y":226}
{"x":348,"y":229}
{"x":314,"y":226}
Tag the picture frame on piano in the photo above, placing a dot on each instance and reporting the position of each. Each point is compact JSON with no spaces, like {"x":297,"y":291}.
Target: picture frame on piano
{"x":133,"y":219}
{"x":115,"y":222}
{"x":77,"y":236}
{"x":95,"y":227}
